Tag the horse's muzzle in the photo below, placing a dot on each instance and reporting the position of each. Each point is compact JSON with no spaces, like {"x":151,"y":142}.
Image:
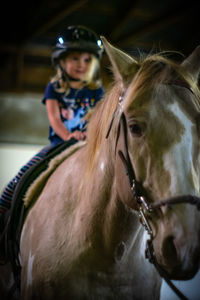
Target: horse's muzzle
{"x":177,"y":252}
{"x":176,"y":267}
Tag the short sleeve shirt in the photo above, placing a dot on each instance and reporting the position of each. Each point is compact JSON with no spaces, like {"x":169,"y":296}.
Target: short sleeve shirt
{"x":73,"y":107}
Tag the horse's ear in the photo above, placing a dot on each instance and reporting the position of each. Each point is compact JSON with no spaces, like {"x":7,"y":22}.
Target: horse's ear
{"x":192,"y":63}
{"x":123,"y":65}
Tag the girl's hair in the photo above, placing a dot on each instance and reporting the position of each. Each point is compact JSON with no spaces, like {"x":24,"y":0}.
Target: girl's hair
{"x":91,"y":79}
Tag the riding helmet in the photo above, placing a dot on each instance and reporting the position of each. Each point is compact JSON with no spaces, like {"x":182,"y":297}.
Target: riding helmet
{"x":76,"y":38}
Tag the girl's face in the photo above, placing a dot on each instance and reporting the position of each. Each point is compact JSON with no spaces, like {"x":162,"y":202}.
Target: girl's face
{"x":77,"y":64}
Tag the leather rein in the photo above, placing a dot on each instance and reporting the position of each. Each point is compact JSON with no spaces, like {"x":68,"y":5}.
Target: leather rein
{"x":144,"y":208}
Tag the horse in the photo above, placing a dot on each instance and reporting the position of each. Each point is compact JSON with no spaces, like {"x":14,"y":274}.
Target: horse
{"x":129,"y":193}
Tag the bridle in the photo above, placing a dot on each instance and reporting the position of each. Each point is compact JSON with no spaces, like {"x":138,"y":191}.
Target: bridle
{"x":146,"y":209}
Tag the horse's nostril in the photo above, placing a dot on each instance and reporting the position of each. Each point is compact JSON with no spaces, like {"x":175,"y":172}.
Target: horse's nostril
{"x":169,"y":251}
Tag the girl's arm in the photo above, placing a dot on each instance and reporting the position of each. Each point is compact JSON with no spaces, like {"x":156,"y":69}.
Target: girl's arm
{"x":53,"y":113}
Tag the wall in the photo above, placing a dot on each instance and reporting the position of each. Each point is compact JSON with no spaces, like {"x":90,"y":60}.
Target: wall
{"x":23,"y":119}
{"x":12,"y":158}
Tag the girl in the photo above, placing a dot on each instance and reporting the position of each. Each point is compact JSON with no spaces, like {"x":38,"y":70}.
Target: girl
{"x":74,"y":90}
{"x":76,"y":87}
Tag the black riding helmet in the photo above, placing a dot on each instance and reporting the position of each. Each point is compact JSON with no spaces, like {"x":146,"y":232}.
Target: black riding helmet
{"x":76,"y":38}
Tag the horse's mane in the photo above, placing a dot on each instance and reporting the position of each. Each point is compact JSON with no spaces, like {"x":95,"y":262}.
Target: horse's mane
{"x":152,"y":70}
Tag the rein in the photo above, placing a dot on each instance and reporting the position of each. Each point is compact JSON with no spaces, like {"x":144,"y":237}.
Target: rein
{"x":145,"y":209}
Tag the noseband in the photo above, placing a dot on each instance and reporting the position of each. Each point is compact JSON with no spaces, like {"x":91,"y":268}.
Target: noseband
{"x":145,"y":208}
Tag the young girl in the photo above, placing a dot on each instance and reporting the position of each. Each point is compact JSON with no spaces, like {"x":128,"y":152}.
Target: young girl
{"x":74,"y":90}
{"x":76,"y":87}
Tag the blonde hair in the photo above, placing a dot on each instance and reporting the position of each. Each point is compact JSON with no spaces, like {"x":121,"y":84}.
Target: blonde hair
{"x":91,"y":79}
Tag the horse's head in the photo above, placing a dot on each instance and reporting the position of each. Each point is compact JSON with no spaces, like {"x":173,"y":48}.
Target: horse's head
{"x":157,"y":139}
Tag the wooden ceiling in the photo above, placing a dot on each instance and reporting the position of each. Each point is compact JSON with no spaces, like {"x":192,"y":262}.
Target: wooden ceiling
{"x":28,"y":32}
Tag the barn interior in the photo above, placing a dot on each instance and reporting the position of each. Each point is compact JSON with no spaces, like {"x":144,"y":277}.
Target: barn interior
{"x":28,"y":33}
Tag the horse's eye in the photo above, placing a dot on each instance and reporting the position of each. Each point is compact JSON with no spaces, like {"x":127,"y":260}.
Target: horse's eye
{"x":136,"y":129}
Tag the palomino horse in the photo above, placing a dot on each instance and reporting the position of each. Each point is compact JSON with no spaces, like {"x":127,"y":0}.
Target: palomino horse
{"x":82,"y":238}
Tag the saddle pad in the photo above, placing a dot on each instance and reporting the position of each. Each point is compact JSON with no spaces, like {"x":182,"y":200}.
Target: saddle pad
{"x":38,"y":184}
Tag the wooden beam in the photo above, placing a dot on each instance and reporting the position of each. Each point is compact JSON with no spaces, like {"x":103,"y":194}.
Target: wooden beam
{"x":153,"y":26}
{"x":121,"y":23}
{"x":53,"y":21}
{"x":19,"y":69}
{"x":33,"y":50}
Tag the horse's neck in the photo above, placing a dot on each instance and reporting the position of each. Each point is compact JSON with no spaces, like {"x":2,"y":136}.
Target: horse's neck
{"x":105,"y":216}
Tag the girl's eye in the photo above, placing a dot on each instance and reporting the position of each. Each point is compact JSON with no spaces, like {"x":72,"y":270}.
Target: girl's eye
{"x":136,"y":129}
{"x":87,"y":60}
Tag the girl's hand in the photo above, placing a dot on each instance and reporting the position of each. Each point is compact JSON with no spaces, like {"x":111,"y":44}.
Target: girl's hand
{"x":78,"y":135}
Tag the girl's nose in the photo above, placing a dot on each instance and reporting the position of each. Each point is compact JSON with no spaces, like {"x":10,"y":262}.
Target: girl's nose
{"x":81,"y":63}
